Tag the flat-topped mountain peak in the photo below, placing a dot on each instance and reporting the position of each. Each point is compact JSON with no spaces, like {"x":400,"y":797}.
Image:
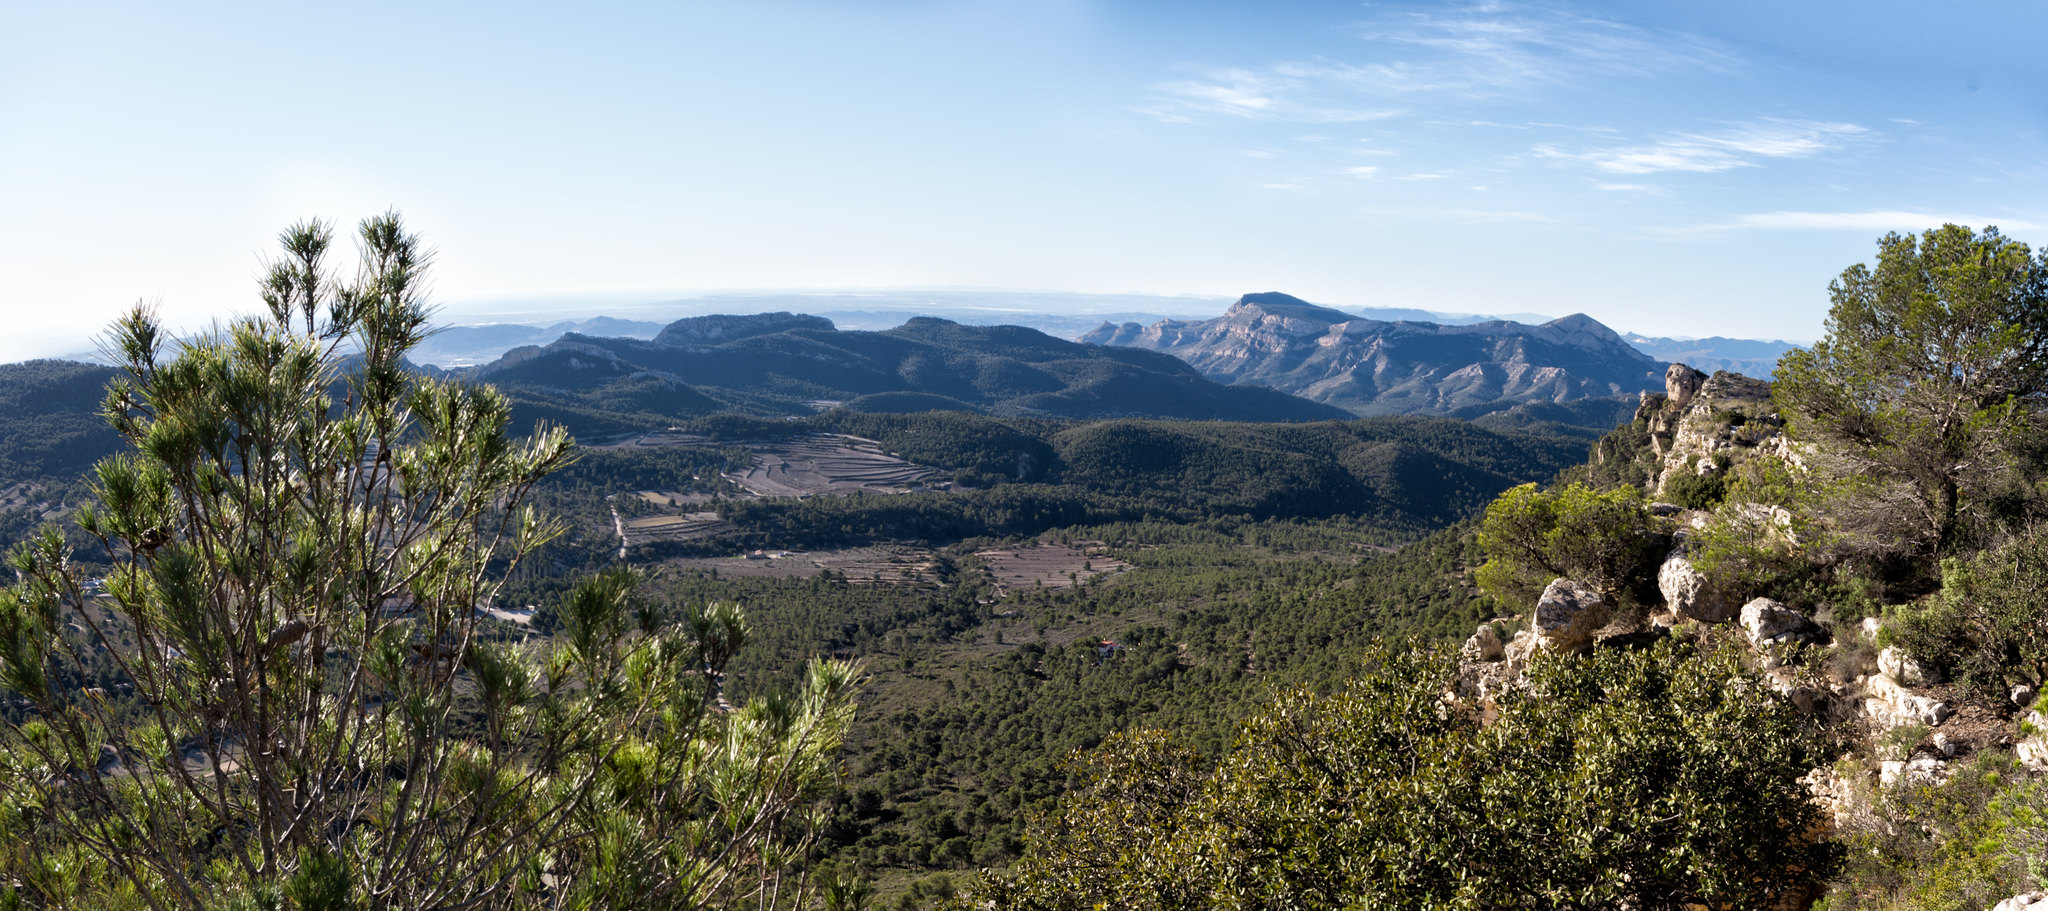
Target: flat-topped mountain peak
{"x":1284,"y":306}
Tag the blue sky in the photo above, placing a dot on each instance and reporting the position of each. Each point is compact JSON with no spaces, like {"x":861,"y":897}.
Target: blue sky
{"x":1695,"y":169}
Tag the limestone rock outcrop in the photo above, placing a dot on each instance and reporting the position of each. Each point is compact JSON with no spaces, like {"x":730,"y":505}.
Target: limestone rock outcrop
{"x":1767,"y":621}
{"x":1689,"y":595}
{"x":2026,"y":901}
{"x":1891,"y":705}
{"x":1702,"y":425}
{"x":1925,"y":770}
{"x":1899,"y":666}
{"x":2032,"y":748}
{"x":1681,"y":383}
{"x":1484,"y":646}
{"x":1567,"y":616}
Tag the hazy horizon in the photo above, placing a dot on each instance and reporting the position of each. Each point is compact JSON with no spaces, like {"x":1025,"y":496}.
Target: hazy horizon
{"x":1676,"y":170}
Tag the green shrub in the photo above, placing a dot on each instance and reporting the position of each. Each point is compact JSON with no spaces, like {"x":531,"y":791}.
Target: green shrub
{"x":1600,"y":538}
{"x":1696,"y":491}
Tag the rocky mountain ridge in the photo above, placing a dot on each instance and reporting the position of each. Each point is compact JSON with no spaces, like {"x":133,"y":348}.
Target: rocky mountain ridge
{"x":1371,"y":367}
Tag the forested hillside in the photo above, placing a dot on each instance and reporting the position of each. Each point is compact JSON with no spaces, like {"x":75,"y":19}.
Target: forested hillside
{"x":792,"y":364}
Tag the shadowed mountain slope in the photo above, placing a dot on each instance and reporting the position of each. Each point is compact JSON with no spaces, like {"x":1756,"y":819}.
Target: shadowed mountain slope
{"x":783,"y":363}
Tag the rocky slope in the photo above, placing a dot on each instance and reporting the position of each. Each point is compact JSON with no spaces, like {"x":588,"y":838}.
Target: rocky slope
{"x":1371,"y":367}
{"x":1905,"y":729}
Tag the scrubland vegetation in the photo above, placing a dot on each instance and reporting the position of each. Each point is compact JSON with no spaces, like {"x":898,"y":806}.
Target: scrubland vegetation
{"x":251,"y":673}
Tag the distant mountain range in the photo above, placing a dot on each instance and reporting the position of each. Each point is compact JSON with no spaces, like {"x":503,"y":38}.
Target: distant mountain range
{"x":1749,"y":357}
{"x":461,"y":346}
{"x":783,"y":363}
{"x":1373,"y":367}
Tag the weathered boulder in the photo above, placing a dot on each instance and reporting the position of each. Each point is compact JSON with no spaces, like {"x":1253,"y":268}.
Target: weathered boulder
{"x":1891,"y":705}
{"x":1681,"y":383}
{"x":1484,"y":646}
{"x":1567,"y":616}
{"x":1769,"y":621}
{"x":1689,"y":595}
{"x":2025,"y":901}
{"x":1926,"y":770}
{"x":2022,"y":695}
{"x":1904,"y":669}
{"x":1946,"y":746}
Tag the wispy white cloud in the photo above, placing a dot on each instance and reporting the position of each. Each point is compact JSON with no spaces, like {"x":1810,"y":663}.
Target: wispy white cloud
{"x":1463,"y":216}
{"x":1629,"y":188}
{"x":1260,"y":153}
{"x":1364,"y":170}
{"x":1294,"y":185}
{"x":1474,"y":53}
{"x":1428,"y":176}
{"x":1867,"y":222}
{"x":1735,"y":147}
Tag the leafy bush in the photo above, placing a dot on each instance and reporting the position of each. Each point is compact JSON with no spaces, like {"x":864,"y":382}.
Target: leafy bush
{"x":1696,"y":491}
{"x":1601,"y":538}
{"x":1989,"y":624}
{"x":1638,"y":779}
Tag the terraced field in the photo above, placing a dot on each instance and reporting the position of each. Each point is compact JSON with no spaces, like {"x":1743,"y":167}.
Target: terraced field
{"x":827,"y":464}
{"x":649,"y":529}
{"x":816,"y":465}
{"x":1048,"y":565}
{"x":881,"y":565}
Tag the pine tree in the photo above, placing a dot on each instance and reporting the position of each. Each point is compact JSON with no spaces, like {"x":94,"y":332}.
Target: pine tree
{"x":314,"y":709}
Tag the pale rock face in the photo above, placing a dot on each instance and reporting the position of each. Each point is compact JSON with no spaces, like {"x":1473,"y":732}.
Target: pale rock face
{"x":1518,"y":649}
{"x":1926,"y":770}
{"x":1869,"y":628}
{"x":1837,"y":797}
{"x":1770,"y":621}
{"x":2022,"y":695}
{"x":1681,"y":383}
{"x":1688,"y":594}
{"x":1904,"y":669}
{"x":2032,"y":749}
{"x":2028,"y":901}
{"x":1567,"y":616}
{"x":1891,"y":705}
{"x":1484,"y":646}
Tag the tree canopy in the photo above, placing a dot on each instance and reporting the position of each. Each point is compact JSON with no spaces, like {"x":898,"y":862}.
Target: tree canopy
{"x":1933,"y":364}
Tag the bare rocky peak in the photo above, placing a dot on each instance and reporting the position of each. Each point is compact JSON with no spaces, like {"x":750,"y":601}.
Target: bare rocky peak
{"x":1377,"y":367}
